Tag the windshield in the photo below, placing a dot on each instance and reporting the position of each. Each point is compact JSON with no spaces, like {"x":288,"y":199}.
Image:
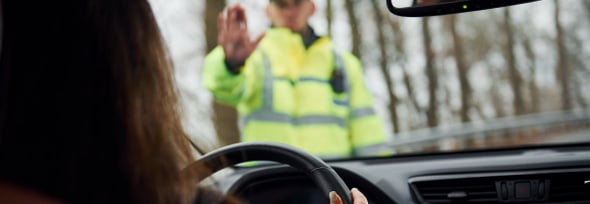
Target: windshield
{"x":490,"y":79}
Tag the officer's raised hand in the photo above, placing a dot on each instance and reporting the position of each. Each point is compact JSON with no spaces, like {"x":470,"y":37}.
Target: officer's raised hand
{"x":234,"y":37}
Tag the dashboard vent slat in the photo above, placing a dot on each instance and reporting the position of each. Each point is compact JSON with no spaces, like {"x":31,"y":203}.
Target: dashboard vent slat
{"x":457,"y":191}
{"x":484,"y":193}
{"x":483,"y":200}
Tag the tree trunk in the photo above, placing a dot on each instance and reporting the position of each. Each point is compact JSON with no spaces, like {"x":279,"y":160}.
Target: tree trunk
{"x":224,"y":117}
{"x":354,"y":28}
{"x":495,"y":93}
{"x":384,"y":66}
{"x":431,"y":73}
{"x":533,"y":87}
{"x":579,"y":93}
{"x":400,"y":58}
{"x":410,"y":90}
{"x":462,"y":70}
{"x":212,"y":10}
{"x":329,"y":16}
{"x":579,"y":79}
{"x":587,"y":7}
{"x":515,"y":78}
{"x":562,"y":69}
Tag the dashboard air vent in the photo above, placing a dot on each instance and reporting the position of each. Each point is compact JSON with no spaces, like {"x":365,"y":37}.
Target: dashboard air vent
{"x":456,"y":191}
{"x":556,"y":186}
{"x":570,"y":187}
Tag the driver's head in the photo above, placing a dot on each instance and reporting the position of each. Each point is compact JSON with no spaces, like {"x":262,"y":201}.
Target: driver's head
{"x":292,"y":14}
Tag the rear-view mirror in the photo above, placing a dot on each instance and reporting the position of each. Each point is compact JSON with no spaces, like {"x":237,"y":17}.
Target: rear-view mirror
{"x":418,"y":8}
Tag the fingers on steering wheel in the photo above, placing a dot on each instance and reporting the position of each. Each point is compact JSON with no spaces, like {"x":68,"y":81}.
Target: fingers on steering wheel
{"x":358,"y":197}
{"x":334,"y":198}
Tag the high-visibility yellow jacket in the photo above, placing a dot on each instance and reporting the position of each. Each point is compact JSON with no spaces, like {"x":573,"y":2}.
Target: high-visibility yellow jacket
{"x":283,"y":94}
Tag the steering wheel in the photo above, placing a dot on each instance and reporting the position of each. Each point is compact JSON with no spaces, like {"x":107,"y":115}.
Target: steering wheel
{"x":322,"y":174}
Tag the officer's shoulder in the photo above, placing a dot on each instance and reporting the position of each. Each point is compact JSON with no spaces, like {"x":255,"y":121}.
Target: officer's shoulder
{"x":347,"y":56}
{"x":351,"y":61}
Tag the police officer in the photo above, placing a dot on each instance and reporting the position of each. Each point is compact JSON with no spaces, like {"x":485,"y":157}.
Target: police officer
{"x":290,"y":86}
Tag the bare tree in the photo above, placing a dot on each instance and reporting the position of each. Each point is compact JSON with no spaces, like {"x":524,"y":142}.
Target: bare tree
{"x":462,"y":69}
{"x":533,"y":87}
{"x":515,"y":78}
{"x":354,"y":28}
{"x":329,"y":16}
{"x":212,"y":10}
{"x":224,"y":117}
{"x":431,"y":73}
{"x":399,"y":39}
{"x":410,"y":89}
{"x":587,"y":7}
{"x":384,"y":62}
{"x":579,"y":93}
{"x":562,"y":68}
{"x":576,"y":58}
{"x":399,"y":57}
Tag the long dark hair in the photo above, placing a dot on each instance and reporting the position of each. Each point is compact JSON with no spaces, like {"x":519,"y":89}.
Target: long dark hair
{"x":88,"y":108}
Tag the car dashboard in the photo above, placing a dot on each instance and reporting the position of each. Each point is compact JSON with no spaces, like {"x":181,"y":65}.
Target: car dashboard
{"x":557,"y":174}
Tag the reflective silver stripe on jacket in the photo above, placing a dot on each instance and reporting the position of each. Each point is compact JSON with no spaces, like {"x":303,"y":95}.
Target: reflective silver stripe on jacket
{"x":312,"y":79}
{"x":276,"y":117}
{"x":267,"y":113}
{"x":267,"y":86}
{"x":304,"y":79}
{"x":361,"y":112}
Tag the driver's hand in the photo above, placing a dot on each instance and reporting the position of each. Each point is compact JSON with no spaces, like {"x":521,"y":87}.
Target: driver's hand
{"x":357,"y":197}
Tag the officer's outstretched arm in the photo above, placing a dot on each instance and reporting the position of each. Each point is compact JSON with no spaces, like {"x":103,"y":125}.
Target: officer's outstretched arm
{"x":234,"y":37}
{"x":229,"y":87}
{"x":227,"y":71}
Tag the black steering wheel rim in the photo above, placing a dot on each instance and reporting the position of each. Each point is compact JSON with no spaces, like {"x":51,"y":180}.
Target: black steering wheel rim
{"x":322,"y":174}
